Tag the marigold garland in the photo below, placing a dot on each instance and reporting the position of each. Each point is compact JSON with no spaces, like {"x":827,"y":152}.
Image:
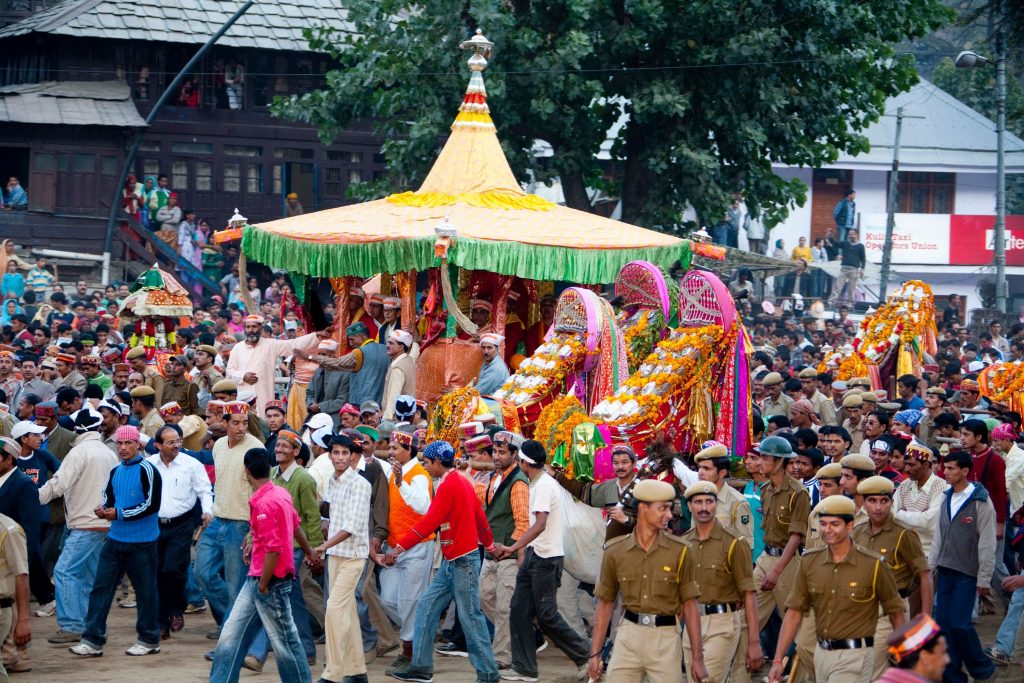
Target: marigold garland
{"x":451,"y":410}
{"x":903,"y":319}
{"x":545,"y":369}
{"x":1003,"y":382}
{"x":641,"y":332}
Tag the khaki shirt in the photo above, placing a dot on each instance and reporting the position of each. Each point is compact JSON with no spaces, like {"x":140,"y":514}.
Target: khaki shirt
{"x":151,"y":424}
{"x":780,"y":407}
{"x":856,"y":434}
{"x":724,"y":569}
{"x":155,"y":381}
{"x":13,"y":555}
{"x":824,"y":407}
{"x":899,"y":545}
{"x":184,"y":393}
{"x":926,"y":432}
{"x":785,"y":511}
{"x":657,"y":581}
{"x":845,"y":595}
{"x":734,"y":514}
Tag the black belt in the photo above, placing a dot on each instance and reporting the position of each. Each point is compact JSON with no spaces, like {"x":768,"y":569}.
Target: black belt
{"x":6,"y":602}
{"x":905,"y":593}
{"x":720,"y":608}
{"x":650,"y":619}
{"x":171,"y":521}
{"x":848,"y":644}
{"x":773,"y":551}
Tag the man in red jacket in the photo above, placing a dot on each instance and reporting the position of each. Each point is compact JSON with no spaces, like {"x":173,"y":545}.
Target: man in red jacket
{"x":463,"y":524}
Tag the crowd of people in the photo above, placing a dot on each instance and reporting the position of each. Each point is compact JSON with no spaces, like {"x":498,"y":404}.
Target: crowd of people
{"x":291,"y":491}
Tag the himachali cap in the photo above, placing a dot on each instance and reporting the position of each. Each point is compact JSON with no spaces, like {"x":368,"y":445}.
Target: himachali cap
{"x":969,"y":385}
{"x":654,"y":491}
{"x":913,"y":636}
{"x":126,"y":433}
{"x":509,"y":438}
{"x":401,"y":336}
{"x":171,"y":408}
{"x":357,"y":328}
{"x":135,"y":352}
{"x":487,"y":419}
{"x":701,"y":488}
{"x":491,"y":338}
{"x":236,"y":408}
{"x":291,"y":437}
{"x":771,"y":379}
{"x":480,"y":303}
{"x":623,"y":449}
{"x":327,"y":345}
{"x":46,"y":409}
{"x":258,"y":319}
{"x":7,"y":350}
{"x":9,"y":446}
{"x":467,"y":430}
{"x":836,"y":506}
{"x":392,"y":302}
{"x":421,"y":435}
{"x":875,"y":486}
{"x":479,"y":443}
{"x":88,"y":360}
{"x":808,"y":373}
{"x":404,"y":439}
{"x":858,"y":462}
{"x":441,"y":451}
{"x":142,"y":391}
{"x":918,"y":451}
{"x":833,"y":470}
{"x":68,"y":358}
{"x":357,"y":292}
{"x":274,"y":405}
{"x":48,"y":363}
{"x":216,"y":407}
{"x":377,"y":298}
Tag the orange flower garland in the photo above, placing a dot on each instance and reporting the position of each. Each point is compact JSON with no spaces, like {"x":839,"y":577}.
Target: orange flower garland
{"x":452,"y":410}
{"x":1003,"y":382}
{"x":902,"y":319}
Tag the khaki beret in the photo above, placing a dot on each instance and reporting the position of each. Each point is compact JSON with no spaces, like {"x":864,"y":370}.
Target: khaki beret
{"x":652,"y":491}
{"x":808,"y":373}
{"x":712,"y":452}
{"x":869,"y":397}
{"x":839,"y":385}
{"x":860,"y":382}
{"x":858,"y":462}
{"x":225,"y":386}
{"x":891,"y":407}
{"x":206,"y":348}
{"x":771,"y":379}
{"x":141,"y":391}
{"x":937,"y":391}
{"x":834,"y":506}
{"x":701,"y":488}
{"x":833,"y":470}
{"x":135,"y":352}
{"x":853,"y":401}
{"x":875,"y":486}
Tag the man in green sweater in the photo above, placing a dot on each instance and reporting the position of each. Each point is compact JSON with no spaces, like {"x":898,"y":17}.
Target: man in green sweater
{"x":290,"y":475}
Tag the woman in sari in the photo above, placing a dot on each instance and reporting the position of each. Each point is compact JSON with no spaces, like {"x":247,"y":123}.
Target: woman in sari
{"x":11,"y":308}
{"x":131,"y":197}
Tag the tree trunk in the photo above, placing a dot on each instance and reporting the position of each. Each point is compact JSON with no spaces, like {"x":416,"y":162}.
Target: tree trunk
{"x":634,"y":181}
{"x":575,"y":191}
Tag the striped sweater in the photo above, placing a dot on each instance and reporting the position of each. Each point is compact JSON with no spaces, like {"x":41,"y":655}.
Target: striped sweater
{"x":133,"y":488}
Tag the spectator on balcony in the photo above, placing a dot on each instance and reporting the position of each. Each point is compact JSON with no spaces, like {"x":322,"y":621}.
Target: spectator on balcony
{"x":12,"y":285}
{"x":147,"y":215}
{"x":15,"y":196}
{"x":40,"y":280}
{"x":234,"y":83}
{"x":292,"y":206}
{"x":188,"y":96}
{"x":131,"y":198}
{"x":169,"y":218}
{"x":158,"y":199}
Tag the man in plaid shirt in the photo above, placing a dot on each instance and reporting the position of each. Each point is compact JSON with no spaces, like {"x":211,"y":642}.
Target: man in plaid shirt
{"x":348,"y":547}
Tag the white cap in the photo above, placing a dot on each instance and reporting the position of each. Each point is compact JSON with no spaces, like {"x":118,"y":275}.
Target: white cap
{"x":322,"y":437}
{"x":25,"y":427}
{"x":975,"y":366}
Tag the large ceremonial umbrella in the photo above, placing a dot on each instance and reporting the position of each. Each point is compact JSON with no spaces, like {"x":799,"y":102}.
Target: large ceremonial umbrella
{"x":492,"y":224}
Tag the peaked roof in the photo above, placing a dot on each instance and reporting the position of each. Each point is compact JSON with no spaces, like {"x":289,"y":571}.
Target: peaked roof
{"x":268,"y":24}
{"x":72,"y":103}
{"x":472,"y":196}
{"x":940,"y":133}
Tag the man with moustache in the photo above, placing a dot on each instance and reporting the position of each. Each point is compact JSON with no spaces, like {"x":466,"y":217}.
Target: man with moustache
{"x":251,"y":364}
{"x":614,"y":495}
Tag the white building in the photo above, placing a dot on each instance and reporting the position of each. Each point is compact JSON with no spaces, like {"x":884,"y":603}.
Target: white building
{"x":946,"y":198}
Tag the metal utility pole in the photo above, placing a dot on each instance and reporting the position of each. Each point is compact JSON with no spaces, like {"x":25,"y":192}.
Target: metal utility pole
{"x":129,"y":160}
{"x":890,"y":221}
{"x":999,"y":255}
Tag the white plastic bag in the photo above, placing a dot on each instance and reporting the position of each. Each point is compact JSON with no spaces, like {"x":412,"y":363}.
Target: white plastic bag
{"x":583,"y":538}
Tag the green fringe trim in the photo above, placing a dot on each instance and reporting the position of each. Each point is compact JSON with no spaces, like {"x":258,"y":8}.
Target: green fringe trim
{"x":534,"y":262}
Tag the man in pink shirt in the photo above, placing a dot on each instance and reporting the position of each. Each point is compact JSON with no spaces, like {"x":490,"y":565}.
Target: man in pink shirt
{"x":264,"y":596}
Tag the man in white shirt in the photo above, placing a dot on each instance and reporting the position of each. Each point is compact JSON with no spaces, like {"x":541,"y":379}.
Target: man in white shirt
{"x":539,"y":573}
{"x":184,"y":483}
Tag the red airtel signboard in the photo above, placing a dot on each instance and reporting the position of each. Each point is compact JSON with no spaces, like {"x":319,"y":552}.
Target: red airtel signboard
{"x":971,"y":240}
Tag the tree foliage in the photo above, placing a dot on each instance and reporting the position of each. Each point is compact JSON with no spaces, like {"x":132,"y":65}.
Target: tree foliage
{"x":715,"y":91}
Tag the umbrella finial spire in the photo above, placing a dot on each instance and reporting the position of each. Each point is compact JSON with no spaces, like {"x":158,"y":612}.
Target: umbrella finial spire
{"x":473,"y":112}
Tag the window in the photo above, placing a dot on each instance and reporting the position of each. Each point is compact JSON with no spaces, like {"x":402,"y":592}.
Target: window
{"x":346,"y":156}
{"x":179,"y":175}
{"x":379,"y":175}
{"x":243,"y":150}
{"x":355,"y":176}
{"x":253,"y":179}
{"x":62,"y":163}
{"x":85,"y":163}
{"x":292,"y":153}
{"x":232,"y":178}
{"x":378,"y":158}
{"x":332,"y":183}
{"x":147,"y":146}
{"x":150,"y":167}
{"x":276,"y":179}
{"x":922,"y":192}
{"x":191,"y":148}
{"x":108,"y":165}
{"x":204,"y":173}
{"x":44,"y":162}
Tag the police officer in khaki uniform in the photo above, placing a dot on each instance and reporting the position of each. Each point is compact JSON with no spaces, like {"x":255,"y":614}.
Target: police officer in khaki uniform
{"x":733,"y":510}
{"x":845,"y":584}
{"x":143,"y":405}
{"x":934,"y":403}
{"x":724,"y":575}
{"x":654,"y":573}
{"x":856,"y":468}
{"x":853,"y":406}
{"x":136,"y":357}
{"x":775,"y":402}
{"x":785,"y":506}
{"x":823,"y":405}
{"x":901,"y":548}
{"x":14,"y":590}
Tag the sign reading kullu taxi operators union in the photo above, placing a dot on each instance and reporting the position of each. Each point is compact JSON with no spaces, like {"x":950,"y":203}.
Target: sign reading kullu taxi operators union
{"x":942,"y":239}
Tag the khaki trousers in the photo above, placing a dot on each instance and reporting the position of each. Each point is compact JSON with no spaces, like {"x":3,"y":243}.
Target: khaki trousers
{"x":6,"y":624}
{"x":806,"y":644}
{"x":775,"y":598}
{"x":720,"y":634}
{"x":497,"y":583}
{"x":344,"y":641}
{"x":14,"y":657}
{"x":739,"y":660}
{"x":882,"y":632}
{"x":642,"y":651}
{"x":843,"y":666}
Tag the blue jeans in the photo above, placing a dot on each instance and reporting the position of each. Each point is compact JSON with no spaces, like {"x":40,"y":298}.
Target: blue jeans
{"x":1008,"y":629}
{"x":955,"y":597}
{"x":76,"y":570}
{"x":464,"y":573}
{"x":218,"y":552}
{"x":193,"y":593}
{"x":139,"y":562}
{"x":260,"y":645}
{"x":273,"y":611}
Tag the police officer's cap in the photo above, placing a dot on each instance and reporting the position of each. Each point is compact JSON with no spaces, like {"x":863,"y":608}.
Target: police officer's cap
{"x":701,"y":488}
{"x":875,"y":486}
{"x":836,"y":506}
{"x":771,"y":379}
{"x":141,"y":391}
{"x":858,"y":462}
{"x":853,"y":401}
{"x":652,"y":491}
{"x":711,"y":452}
{"x":808,"y":373}
{"x":833,"y":470}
